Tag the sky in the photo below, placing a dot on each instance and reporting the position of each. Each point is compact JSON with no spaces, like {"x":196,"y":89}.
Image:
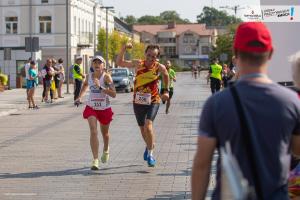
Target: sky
{"x":187,"y":9}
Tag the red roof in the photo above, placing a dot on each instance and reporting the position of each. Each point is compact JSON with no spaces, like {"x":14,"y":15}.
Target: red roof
{"x":179,"y":28}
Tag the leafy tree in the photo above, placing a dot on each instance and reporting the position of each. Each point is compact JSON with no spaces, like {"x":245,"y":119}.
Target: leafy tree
{"x":130,"y":20}
{"x":137,"y":51}
{"x":213,"y":17}
{"x":114,"y":45}
{"x":102,"y":41}
{"x":148,"y":19}
{"x":224,"y":44}
{"x":172,"y":15}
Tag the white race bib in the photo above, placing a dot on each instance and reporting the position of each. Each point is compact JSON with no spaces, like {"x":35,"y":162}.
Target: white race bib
{"x":97,"y":101}
{"x":143,"y":98}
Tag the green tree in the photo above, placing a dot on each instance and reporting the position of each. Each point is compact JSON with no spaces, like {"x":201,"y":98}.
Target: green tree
{"x":213,"y":17}
{"x":148,"y":19}
{"x":137,"y":51}
{"x":130,"y":20}
{"x":224,"y":44}
{"x":114,"y":45}
{"x":172,"y":15}
{"x":102,"y":41}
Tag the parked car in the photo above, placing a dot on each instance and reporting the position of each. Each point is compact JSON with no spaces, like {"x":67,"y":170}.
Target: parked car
{"x":123,"y":79}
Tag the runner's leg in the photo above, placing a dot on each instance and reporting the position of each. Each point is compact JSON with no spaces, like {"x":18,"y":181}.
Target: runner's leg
{"x":94,"y":142}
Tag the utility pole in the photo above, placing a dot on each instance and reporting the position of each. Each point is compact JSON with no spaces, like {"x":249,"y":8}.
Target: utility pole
{"x":95,"y":27}
{"x":234,"y":8}
{"x":30,"y":27}
{"x":106,"y":9}
{"x":67,"y":45}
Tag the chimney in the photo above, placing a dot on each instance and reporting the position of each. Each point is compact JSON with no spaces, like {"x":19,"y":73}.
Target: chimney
{"x":171,"y":24}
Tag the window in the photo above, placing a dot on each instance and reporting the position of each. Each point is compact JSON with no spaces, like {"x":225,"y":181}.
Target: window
{"x":205,"y":50}
{"x":45,"y":1}
{"x":170,"y":51}
{"x":166,"y":40}
{"x":45,"y":24}
{"x":75,"y":22}
{"x":11,"y":24}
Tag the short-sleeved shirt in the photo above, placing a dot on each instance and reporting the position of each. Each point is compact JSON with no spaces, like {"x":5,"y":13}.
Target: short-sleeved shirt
{"x":34,"y":74}
{"x":274,"y":113}
{"x":172,"y":75}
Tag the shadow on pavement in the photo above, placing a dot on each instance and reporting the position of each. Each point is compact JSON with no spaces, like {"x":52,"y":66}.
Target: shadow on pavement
{"x":172,"y":195}
{"x":186,"y":172}
{"x":85,"y":171}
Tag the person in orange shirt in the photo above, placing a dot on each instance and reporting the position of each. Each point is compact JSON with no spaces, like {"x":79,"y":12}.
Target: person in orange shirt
{"x":146,"y":98}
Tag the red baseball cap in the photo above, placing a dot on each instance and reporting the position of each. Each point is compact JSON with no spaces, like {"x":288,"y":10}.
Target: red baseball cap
{"x":253,"y":37}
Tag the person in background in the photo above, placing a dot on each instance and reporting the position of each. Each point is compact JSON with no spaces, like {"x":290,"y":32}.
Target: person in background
{"x":226,"y":75}
{"x":26,"y":68}
{"x":32,"y":84}
{"x":78,"y":76}
{"x":215,"y":76}
{"x":172,"y":79}
{"x":61,"y":77}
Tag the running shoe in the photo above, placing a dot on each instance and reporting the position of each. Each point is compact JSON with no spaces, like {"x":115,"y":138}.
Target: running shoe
{"x":95,"y":164}
{"x":105,"y":157}
{"x":145,"y":154}
{"x":151,"y":161}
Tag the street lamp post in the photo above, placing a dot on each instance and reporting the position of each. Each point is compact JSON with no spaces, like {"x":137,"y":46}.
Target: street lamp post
{"x":106,"y":10}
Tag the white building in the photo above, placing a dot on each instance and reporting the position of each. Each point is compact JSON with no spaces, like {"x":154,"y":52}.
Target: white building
{"x":46,"y":19}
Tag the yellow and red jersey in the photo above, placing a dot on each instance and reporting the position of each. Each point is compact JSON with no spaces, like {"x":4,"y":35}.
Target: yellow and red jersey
{"x":146,"y":81}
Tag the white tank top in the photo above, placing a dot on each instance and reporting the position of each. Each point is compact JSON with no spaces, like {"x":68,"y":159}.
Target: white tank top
{"x":96,"y":98}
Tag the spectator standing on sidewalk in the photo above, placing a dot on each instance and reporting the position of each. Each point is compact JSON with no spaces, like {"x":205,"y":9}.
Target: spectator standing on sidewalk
{"x":32,"y":84}
{"x":78,"y":76}
{"x":61,"y":77}
{"x":272,"y":113}
{"x":26,"y":69}
{"x":48,"y":73}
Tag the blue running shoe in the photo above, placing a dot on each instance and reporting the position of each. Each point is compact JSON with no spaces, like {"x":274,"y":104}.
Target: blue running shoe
{"x":145,"y":154}
{"x":151,"y":161}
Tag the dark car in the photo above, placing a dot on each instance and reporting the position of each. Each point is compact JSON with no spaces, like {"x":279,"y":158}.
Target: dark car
{"x":123,"y":79}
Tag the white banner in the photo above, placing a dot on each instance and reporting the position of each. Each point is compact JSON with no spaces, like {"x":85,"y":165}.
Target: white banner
{"x":271,"y":13}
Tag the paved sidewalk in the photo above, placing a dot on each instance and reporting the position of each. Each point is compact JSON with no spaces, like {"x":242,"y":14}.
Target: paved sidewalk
{"x":14,"y":100}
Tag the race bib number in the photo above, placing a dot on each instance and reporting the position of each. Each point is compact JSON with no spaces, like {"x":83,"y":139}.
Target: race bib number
{"x":143,"y":98}
{"x":98,"y":102}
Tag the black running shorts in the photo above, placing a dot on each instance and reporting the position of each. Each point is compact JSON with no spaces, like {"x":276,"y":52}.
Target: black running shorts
{"x":143,"y":112}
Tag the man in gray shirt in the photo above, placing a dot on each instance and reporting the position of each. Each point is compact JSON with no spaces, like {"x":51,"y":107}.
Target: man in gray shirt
{"x":273,"y":110}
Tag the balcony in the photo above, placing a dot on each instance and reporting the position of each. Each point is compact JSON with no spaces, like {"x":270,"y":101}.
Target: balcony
{"x":85,"y":39}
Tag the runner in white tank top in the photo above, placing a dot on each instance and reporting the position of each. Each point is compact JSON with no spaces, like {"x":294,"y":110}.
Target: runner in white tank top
{"x":98,"y":107}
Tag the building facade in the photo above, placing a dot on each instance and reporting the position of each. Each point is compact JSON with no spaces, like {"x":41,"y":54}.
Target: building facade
{"x":48,"y":20}
{"x":184,"y":44}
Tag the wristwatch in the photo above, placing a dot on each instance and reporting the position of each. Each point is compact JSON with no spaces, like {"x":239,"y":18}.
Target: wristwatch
{"x":166,"y":90}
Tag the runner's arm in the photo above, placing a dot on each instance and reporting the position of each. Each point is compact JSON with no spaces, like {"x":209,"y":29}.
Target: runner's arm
{"x":121,"y":62}
{"x":83,"y":89}
{"x":111,"y":90}
{"x":201,"y":166}
{"x":165,"y":75}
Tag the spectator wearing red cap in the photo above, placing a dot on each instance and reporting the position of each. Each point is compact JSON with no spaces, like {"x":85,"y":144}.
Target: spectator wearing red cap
{"x":272,"y":115}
